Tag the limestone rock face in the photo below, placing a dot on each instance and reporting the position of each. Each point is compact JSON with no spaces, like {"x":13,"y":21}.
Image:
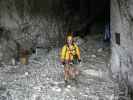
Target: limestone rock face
{"x":122,"y":40}
{"x":21,"y":27}
{"x":41,"y":23}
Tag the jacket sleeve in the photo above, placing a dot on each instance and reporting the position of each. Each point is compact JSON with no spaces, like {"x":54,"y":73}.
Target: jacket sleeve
{"x":63,"y":51}
{"x":78,"y":51}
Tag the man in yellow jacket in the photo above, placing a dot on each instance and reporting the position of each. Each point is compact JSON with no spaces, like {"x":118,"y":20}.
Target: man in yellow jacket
{"x":70,"y":54}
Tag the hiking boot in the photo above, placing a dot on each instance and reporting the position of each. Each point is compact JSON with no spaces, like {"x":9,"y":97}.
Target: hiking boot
{"x":75,"y":82}
{"x":66,"y":83}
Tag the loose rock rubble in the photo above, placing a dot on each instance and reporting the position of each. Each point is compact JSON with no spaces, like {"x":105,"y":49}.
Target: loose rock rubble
{"x":42,"y":78}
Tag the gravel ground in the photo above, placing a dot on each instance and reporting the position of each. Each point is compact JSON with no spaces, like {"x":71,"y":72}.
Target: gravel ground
{"x":42,"y":78}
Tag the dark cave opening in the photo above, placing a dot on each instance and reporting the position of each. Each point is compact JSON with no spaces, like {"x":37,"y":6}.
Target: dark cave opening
{"x":89,"y":13}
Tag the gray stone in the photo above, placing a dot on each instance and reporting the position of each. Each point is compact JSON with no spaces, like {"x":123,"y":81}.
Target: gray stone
{"x":93,"y":56}
{"x":122,"y":53}
{"x":100,"y":50}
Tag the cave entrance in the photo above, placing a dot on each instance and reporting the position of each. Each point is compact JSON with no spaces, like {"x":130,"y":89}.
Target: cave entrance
{"x":31,"y":38}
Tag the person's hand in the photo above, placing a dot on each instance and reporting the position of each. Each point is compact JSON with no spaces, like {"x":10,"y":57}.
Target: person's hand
{"x":63,"y":63}
{"x":79,"y":60}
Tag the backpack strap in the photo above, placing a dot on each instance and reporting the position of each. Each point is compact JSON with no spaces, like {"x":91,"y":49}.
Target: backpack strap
{"x":65,"y":51}
{"x":74,"y":47}
{"x":68,"y":47}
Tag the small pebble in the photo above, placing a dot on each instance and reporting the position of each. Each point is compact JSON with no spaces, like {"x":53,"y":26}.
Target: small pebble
{"x":26,"y":73}
{"x":100,"y":50}
{"x":93,"y":56}
{"x":57,"y":89}
{"x":69,"y":86}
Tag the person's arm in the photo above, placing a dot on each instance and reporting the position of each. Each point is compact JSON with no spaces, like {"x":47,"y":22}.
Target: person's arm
{"x":63,"y":51}
{"x":78,"y":52}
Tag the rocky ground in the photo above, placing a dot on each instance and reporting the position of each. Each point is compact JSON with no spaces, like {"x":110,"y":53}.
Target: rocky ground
{"x":42,"y":78}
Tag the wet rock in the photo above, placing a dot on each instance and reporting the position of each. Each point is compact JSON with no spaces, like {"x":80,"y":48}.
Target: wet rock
{"x":38,"y":98}
{"x":100,"y":50}
{"x":68,"y":86}
{"x":26,"y":73}
{"x":93,"y":56}
{"x":2,"y":89}
{"x":56,"y":89}
{"x":93,"y":73}
{"x":3,"y":98}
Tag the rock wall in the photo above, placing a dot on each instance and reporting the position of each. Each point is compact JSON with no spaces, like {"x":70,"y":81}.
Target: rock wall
{"x":122,"y":41}
{"x":41,"y":23}
{"x":24,"y":25}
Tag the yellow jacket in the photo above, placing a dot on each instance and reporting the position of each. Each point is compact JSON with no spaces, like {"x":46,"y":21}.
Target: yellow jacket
{"x":67,"y":53}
